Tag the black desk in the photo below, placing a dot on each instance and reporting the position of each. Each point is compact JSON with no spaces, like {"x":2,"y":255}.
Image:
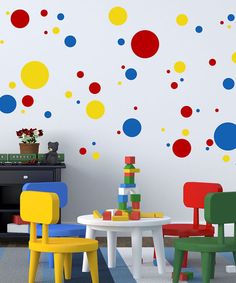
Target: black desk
{"x":12,"y":178}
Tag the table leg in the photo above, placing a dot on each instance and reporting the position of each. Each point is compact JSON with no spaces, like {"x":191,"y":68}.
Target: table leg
{"x":90,"y":233}
{"x":136,"y":252}
{"x":111,"y":248}
{"x":159,"y":247}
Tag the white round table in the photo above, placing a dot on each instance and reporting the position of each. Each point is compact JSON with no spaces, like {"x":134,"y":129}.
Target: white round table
{"x":135,"y":228}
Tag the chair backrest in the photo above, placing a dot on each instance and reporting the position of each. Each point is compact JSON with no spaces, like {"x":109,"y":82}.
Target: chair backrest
{"x":59,"y":188}
{"x":194,"y":195}
{"x":39,"y":207}
{"x":221,"y":209}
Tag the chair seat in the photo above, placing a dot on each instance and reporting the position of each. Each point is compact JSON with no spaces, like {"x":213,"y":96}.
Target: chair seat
{"x":202,"y":244}
{"x":63,"y":230}
{"x":64,"y":245}
{"x":187,"y":230}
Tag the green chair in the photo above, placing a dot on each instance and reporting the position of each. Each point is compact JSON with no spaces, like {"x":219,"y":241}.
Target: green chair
{"x":220,"y":208}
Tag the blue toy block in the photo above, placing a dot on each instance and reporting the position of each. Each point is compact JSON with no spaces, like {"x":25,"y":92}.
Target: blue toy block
{"x":154,"y":262}
{"x":127,"y":185}
{"x":122,"y":198}
{"x":101,"y":211}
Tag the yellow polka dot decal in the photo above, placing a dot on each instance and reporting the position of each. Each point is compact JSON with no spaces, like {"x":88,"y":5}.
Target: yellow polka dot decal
{"x":182,"y":20}
{"x":179,"y":67}
{"x":163,"y":129}
{"x":234,"y":57}
{"x":95,"y":109}
{"x":226,"y":158}
{"x":185,"y":132}
{"x":34,"y":74}
{"x":68,"y":94}
{"x":96,"y":155}
{"x":56,"y":30}
{"x":118,"y":16}
{"x":12,"y":85}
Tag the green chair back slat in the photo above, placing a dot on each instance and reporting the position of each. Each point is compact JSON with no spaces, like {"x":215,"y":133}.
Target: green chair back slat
{"x":21,"y":157}
{"x":220,"y":208}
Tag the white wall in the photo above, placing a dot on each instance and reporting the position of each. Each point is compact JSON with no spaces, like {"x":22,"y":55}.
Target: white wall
{"x":93,"y":183}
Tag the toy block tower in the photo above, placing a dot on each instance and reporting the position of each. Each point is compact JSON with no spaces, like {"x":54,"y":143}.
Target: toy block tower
{"x":128,"y":186}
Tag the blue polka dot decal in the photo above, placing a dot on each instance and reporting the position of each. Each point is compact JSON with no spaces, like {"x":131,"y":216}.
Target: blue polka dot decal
{"x":7,"y":104}
{"x":70,"y":41}
{"x":131,"y":74}
{"x":132,"y":127}
{"x":225,"y":136}
{"x":228,"y":83}
{"x":48,"y":114}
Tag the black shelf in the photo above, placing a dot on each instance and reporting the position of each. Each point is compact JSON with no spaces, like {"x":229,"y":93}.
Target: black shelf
{"x":12,"y":178}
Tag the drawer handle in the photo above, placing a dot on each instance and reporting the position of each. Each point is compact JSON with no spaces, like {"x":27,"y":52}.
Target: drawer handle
{"x":25,"y":177}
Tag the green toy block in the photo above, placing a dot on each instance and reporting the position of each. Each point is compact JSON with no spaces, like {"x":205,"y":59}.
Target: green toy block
{"x":3,"y":157}
{"x":129,"y":179}
{"x":20,"y":158}
{"x":189,"y":274}
{"x":129,"y":166}
{"x":135,"y":197}
{"x":61,"y":157}
{"x":122,"y":205}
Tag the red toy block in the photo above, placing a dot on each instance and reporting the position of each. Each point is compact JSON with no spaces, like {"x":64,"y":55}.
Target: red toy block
{"x":129,"y":159}
{"x":136,"y":205}
{"x":118,"y":213}
{"x":182,"y":277}
{"x":17,"y":220}
{"x":135,"y":215}
{"x":107,"y":215}
{"x":129,"y":174}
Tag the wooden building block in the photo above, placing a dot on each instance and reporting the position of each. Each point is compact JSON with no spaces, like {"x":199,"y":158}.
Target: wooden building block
{"x":135,"y":205}
{"x":129,"y":166}
{"x":122,"y":198}
{"x":129,"y":159}
{"x":16,"y":219}
{"x":136,"y":170}
{"x":159,"y":214}
{"x":182,"y":276}
{"x":107,"y":215}
{"x":97,"y":214}
{"x":127,"y":185}
{"x":230,"y":268}
{"x":124,"y":191}
{"x":120,"y":218}
{"x":118,"y":213}
{"x":129,"y":174}
{"x":135,"y":215}
{"x":148,"y":214}
{"x":129,"y":180}
{"x":135,"y":197}
{"x":122,"y":205}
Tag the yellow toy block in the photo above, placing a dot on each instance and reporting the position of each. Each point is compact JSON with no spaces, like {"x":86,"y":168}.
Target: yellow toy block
{"x":125,"y":213}
{"x":135,"y":209}
{"x":134,"y":170}
{"x":120,"y":218}
{"x":97,"y":214}
{"x":147,"y":214}
{"x":159,"y":214}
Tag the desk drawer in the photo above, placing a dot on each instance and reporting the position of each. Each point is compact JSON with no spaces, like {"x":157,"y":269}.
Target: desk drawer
{"x":21,"y":176}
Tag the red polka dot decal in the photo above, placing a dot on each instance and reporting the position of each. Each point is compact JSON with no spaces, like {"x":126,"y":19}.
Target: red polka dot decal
{"x":186,"y":111}
{"x":174,"y":85}
{"x":80,"y":74}
{"x":20,"y":18}
{"x":212,"y":62}
{"x":145,"y":44}
{"x":209,"y":142}
{"x":44,"y":13}
{"x":181,"y":148}
{"x":83,"y":151}
{"x":27,"y":101}
{"x":94,"y":88}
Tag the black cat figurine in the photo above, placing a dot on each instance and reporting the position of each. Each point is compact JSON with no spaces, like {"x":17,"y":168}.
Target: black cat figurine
{"x":52,"y":157}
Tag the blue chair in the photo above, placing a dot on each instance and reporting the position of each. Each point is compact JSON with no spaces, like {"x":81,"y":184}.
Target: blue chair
{"x":56,"y":230}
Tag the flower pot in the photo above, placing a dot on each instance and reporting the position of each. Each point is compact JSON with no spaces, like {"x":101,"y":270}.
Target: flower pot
{"x":29,"y":148}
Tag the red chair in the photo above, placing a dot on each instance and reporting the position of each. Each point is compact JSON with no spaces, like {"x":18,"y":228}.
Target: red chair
{"x":193,"y":196}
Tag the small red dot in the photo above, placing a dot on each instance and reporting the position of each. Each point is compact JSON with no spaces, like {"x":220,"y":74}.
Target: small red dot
{"x":217,"y":110}
{"x":118,"y":132}
{"x":83,"y":151}
{"x":80,"y":74}
{"x":221,"y":22}
{"x":168,"y":71}
{"x":123,"y":67}
{"x":212,"y":62}
{"x":209,"y":142}
{"x":174,"y":85}
{"x":44,"y":13}
{"x":135,"y":108}
{"x":45,"y":32}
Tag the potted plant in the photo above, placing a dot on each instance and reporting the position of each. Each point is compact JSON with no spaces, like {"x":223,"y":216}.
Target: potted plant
{"x":29,"y":138}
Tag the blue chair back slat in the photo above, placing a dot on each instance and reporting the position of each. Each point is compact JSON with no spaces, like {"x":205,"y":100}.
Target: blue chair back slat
{"x":59,"y":188}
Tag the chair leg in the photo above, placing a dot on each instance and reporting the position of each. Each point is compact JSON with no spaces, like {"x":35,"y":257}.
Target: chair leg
{"x":206,"y":267}
{"x":213,"y":262}
{"x":58,"y":267}
{"x":234,"y":255}
{"x":179,"y":255}
{"x":93,"y":265}
{"x":34,"y":261}
{"x":50,"y":260}
{"x":68,"y":266}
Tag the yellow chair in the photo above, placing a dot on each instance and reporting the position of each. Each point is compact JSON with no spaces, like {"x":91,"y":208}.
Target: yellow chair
{"x":41,"y":207}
